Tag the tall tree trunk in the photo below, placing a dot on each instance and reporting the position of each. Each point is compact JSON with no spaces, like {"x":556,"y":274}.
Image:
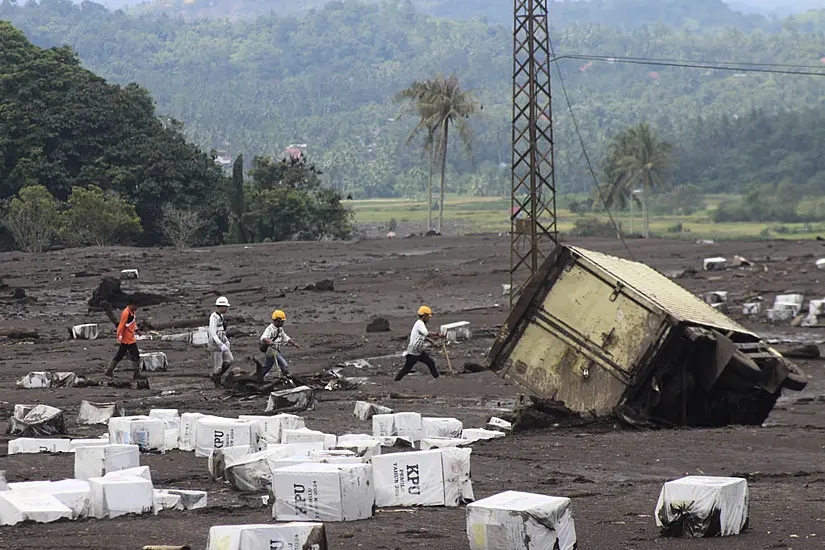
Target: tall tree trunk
{"x":443,"y":174}
{"x":431,"y":153}
{"x":238,"y":201}
{"x":645,"y":192}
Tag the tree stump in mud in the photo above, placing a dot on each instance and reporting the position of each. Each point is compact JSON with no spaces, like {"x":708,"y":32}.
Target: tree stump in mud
{"x":109,"y":291}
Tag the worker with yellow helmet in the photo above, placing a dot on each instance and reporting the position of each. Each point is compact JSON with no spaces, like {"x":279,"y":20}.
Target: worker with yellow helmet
{"x":415,"y":350}
{"x":272,"y":341}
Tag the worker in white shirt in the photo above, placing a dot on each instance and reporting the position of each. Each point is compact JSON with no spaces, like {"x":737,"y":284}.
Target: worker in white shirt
{"x":272,"y":341}
{"x":222,"y":357}
{"x":415,"y":350}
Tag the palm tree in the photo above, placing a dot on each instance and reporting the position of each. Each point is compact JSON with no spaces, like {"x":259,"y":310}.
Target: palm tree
{"x":450,"y":105}
{"x":416,"y":98}
{"x":440,"y":103}
{"x":638,"y":157}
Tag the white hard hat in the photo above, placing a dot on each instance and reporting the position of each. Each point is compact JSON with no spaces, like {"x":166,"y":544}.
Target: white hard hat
{"x":222,"y":301}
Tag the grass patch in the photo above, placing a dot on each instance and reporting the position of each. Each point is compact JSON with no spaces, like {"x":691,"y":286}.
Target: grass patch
{"x":463,"y":215}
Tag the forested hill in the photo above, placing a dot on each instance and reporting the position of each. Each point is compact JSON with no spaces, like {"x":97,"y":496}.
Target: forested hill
{"x":701,"y":14}
{"x":327,"y":79}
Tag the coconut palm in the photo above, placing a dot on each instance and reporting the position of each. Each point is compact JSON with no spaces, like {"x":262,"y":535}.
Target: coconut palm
{"x":451,"y":106}
{"x":639,"y":158}
{"x":416,"y":99}
{"x":440,"y":103}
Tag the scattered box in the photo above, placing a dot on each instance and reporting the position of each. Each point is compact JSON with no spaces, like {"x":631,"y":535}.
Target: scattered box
{"x":35,"y":381}
{"x":213,"y":432}
{"x":820,"y":264}
{"x":366,"y":447}
{"x":85,"y":332}
{"x":199,"y":337}
{"x":252,"y":473}
{"x":407,"y":425}
{"x":505,"y":289}
{"x":521,"y":521}
{"x":270,"y":427}
{"x":752,"y":308}
{"x":129,"y":274}
{"x":149,"y":434}
{"x":456,"y":332}
{"x":154,"y":362}
{"x":715,"y":264}
{"x":500,"y":425}
{"x":97,"y":413}
{"x":97,"y":461}
{"x":480,"y":434}
{"x":816,"y":309}
{"x":32,"y":445}
{"x":219,"y":458}
{"x":442,"y":443}
{"x":364,"y":410}
{"x":36,"y":421}
{"x":701,"y":506}
{"x":305,"y":435}
{"x":16,"y":507}
{"x":164,"y":500}
{"x":439,"y":477}
{"x":73,"y":493}
{"x":170,"y":417}
{"x":117,"y":496}
{"x":190,"y":500}
{"x":286,"y":536}
{"x":100,"y":442}
{"x":187,"y":436}
{"x":323,"y":492}
{"x":138,"y":471}
{"x":291,"y":400}
{"x":441,"y":427}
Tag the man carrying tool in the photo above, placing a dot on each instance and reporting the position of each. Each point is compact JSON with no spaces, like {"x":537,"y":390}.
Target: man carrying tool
{"x":127,"y":342}
{"x":222,"y":357}
{"x":415,"y":350}
{"x":272,"y":340}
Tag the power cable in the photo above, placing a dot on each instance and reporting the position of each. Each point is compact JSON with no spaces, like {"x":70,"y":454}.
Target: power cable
{"x":716,"y":66}
{"x":586,"y":154}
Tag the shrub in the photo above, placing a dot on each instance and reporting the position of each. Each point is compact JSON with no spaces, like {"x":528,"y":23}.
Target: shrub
{"x":98,"y":217}
{"x":593,"y":227}
{"x":32,"y":218}
{"x":181,"y":227}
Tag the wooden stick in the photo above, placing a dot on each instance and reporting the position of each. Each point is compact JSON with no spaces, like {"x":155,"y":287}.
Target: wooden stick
{"x":447,"y":355}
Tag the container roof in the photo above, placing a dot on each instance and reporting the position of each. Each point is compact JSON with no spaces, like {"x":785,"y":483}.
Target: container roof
{"x":678,"y":302}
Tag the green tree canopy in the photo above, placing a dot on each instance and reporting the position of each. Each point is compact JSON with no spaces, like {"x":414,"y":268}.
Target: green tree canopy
{"x":64,"y":128}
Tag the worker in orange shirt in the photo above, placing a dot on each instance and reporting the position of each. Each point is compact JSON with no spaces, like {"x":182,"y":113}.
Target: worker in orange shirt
{"x":128,"y":343}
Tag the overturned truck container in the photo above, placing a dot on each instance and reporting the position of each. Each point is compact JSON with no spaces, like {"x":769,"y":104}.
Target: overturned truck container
{"x":603,"y":336}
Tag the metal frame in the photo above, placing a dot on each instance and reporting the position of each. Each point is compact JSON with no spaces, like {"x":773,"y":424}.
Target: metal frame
{"x":533,"y":230}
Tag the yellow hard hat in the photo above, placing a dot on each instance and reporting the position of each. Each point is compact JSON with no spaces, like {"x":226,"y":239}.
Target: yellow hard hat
{"x":278,"y":314}
{"x":424,"y":310}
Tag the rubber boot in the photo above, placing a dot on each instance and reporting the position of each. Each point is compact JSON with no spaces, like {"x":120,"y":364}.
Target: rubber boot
{"x":136,"y":374}
{"x":110,"y":370}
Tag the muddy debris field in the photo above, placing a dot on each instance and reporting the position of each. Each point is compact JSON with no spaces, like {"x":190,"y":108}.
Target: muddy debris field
{"x":612,"y":474}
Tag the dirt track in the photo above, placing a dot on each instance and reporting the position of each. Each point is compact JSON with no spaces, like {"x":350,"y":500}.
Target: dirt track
{"x":613,"y":476}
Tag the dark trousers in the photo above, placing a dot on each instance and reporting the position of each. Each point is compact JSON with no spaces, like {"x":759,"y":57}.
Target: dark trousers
{"x":131,"y":349}
{"x":412,"y":360}
{"x":270,"y":362}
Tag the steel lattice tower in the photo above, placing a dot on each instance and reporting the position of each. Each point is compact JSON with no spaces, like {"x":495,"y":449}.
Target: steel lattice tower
{"x":533,"y":230}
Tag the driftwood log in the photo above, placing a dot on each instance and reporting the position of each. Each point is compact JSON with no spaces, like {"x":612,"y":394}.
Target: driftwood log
{"x":16,"y":333}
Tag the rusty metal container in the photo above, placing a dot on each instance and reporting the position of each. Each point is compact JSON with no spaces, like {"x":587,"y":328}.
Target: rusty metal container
{"x":605,"y":336}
